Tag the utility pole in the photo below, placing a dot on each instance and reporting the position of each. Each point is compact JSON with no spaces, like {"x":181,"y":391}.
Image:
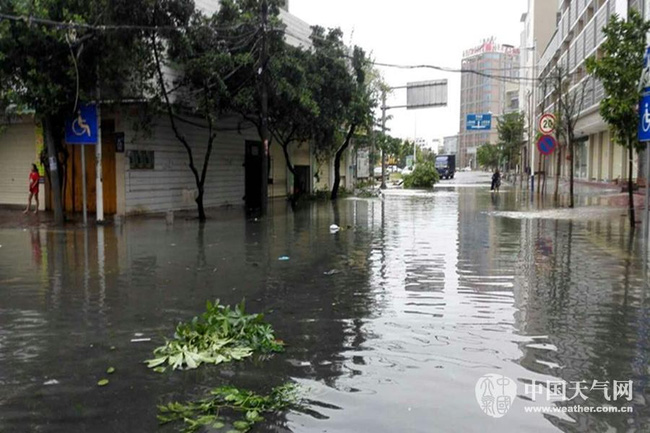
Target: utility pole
{"x":383,"y":130}
{"x":53,"y":161}
{"x":264,"y":130}
{"x":99,"y":178}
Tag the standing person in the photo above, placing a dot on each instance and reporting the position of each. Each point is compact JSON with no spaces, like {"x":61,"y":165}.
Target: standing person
{"x":34,"y":179}
{"x":496,"y":181}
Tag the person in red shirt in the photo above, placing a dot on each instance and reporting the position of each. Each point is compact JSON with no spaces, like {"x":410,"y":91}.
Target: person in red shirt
{"x":34,"y":179}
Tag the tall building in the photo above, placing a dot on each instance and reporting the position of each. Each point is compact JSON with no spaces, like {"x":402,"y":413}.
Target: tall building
{"x":484,"y":91}
{"x":539,"y":24}
{"x":578,"y":36}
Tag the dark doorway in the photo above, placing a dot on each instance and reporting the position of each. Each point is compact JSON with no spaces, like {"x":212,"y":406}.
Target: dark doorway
{"x":301,"y":183}
{"x":253,"y":164}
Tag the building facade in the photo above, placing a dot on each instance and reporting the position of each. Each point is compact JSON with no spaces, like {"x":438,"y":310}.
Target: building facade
{"x":539,"y":23}
{"x":450,"y":145}
{"x":577,"y":37}
{"x":484,"y":91}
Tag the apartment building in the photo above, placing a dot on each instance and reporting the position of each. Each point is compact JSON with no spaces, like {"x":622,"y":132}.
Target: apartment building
{"x":486,"y":90}
{"x":578,"y":36}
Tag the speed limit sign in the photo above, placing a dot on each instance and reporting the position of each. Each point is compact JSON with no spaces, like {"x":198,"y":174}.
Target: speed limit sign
{"x":547,"y":124}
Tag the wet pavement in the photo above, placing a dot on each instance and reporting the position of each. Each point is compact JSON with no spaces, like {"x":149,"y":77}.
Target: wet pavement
{"x":430,"y":292}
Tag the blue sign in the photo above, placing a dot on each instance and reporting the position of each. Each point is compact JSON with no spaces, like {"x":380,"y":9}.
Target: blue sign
{"x":82,"y":128}
{"x":479,"y":122}
{"x":644,"y":121}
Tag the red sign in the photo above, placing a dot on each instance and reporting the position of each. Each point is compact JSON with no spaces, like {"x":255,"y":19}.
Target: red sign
{"x":546,"y":144}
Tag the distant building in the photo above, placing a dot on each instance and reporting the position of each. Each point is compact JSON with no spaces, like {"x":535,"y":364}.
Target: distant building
{"x":450,"y":145}
{"x":485,"y":90}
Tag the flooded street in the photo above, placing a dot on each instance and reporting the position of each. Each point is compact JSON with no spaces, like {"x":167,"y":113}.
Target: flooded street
{"x":389,"y":323}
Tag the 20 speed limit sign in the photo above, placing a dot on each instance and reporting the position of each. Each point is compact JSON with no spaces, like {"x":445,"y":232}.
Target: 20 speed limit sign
{"x":547,"y":124}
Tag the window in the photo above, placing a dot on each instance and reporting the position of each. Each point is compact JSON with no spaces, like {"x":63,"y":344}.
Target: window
{"x":142,"y":160}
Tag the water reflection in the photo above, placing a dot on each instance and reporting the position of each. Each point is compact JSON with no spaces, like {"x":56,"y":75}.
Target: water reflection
{"x":389,"y":323}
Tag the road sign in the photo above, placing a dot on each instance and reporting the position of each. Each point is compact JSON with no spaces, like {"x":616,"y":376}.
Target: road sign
{"x":426,"y":94}
{"x":546,"y":144}
{"x":82,"y":128}
{"x":644,"y":122}
{"x":547,"y":124}
{"x":479,"y":122}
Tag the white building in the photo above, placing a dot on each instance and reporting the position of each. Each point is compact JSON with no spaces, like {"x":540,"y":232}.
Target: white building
{"x":578,"y":36}
{"x":539,"y":24}
{"x":151,"y":174}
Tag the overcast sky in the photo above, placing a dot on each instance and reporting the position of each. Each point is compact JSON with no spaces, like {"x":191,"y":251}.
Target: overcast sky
{"x":415,"y":32}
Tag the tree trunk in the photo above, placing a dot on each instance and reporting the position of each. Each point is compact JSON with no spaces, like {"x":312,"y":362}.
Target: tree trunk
{"x":571,"y":173}
{"x":337,"y":162}
{"x":287,"y":158}
{"x":630,"y":185}
{"x":199,"y":205}
{"x":55,"y":179}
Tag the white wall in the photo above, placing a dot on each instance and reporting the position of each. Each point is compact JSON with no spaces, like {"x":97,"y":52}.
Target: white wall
{"x":171,"y":184}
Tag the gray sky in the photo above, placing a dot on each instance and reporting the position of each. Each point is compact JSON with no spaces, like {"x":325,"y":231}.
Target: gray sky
{"x":415,"y":32}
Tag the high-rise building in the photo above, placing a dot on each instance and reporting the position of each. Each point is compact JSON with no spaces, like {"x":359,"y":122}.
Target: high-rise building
{"x":539,"y":24}
{"x":485,"y":91}
{"x":579,"y":36}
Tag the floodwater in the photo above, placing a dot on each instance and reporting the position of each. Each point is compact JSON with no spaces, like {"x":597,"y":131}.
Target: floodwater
{"x":430,"y":292}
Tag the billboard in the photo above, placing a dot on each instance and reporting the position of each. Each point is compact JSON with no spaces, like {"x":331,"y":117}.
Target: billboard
{"x":363,"y":163}
{"x":426,"y":94}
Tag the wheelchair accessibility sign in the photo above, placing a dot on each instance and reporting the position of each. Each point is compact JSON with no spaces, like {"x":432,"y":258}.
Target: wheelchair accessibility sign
{"x":644,"y":122}
{"x":82,"y":127}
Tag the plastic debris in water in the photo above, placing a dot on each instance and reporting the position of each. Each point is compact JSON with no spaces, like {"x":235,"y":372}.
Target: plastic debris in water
{"x":334,"y":229}
{"x":332,"y":272}
{"x":51,"y":382}
{"x":284,"y":258}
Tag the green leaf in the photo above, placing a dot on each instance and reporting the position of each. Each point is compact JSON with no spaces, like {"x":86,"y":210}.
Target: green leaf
{"x":102,"y":382}
{"x":110,"y":370}
{"x":241,"y":425}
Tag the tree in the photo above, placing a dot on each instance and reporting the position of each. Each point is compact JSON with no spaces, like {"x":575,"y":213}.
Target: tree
{"x":204,"y":65}
{"x":424,"y":176}
{"x":619,"y":69}
{"x":570,"y":104}
{"x":488,"y":156}
{"x":511,"y":128}
{"x":64,"y":52}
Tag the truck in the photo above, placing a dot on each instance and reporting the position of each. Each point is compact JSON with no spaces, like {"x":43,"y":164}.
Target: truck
{"x":446,"y":166}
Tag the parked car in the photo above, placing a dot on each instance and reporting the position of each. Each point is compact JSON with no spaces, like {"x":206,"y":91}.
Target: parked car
{"x":406,"y":171}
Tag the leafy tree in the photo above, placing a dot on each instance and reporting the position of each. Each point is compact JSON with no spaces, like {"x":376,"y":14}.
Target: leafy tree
{"x":424,"y":176}
{"x":619,"y":69}
{"x":49,"y":67}
{"x":488,"y":156}
{"x":342,"y":90}
{"x":205,"y":69}
{"x":511,"y":128}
